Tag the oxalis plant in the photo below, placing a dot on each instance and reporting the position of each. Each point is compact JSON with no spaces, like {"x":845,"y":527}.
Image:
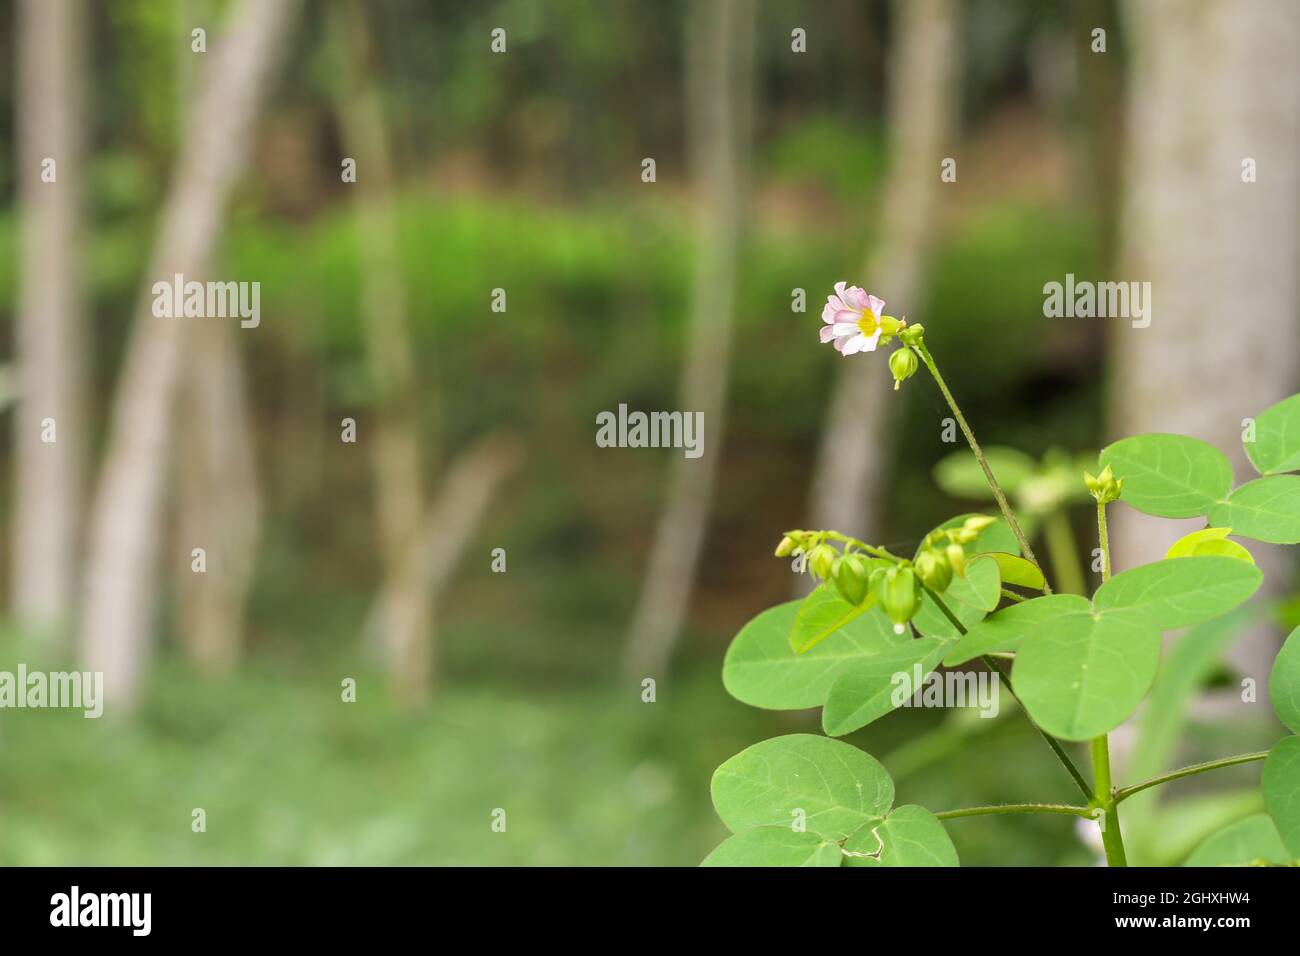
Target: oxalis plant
{"x":878,"y":624}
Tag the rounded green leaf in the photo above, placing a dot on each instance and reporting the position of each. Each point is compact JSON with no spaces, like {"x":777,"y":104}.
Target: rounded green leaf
{"x":1016,"y":570}
{"x":1250,"y":840}
{"x":1171,"y":476}
{"x":1281,"y":783}
{"x":775,"y":846}
{"x":961,"y":476}
{"x":838,"y":788}
{"x":1004,"y":630}
{"x":910,"y":836}
{"x":875,"y":685}
{"x":1180,"y":592}
{"x":1276,"y":447}
{"x":1284,"y":683}
{"x":1209,"y":541}
{"x":932,"y":622}
{"x":762,"y":670}
{"x":1086,"y":673}
{"x":821,"y":614}
{"x":1266,"y":509}
{"x":980,"y":587}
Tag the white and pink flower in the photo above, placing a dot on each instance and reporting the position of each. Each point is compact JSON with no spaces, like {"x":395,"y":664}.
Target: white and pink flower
{"x":852,"y":320}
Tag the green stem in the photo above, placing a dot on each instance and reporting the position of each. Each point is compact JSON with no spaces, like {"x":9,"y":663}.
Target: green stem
{"x":1015,"y":808}
{"x":1104,"y":540}
{"x":1007,"y":513}
{"x":1111,"y":839}
{"x":1005,"y":677}
{"x":1123,"y":793}
{"x":1012,"y":595}
{"x":1065,"y":552}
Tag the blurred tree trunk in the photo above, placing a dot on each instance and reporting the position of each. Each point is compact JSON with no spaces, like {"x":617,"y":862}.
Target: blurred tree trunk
{"x":719,"y":85}
{"x":923,"y":96}
{"x":125,"y":522}
{"x":51,"y":331}
{"x":419,"y":548}
{"x":218,"y":505}
{"x":1212,"y":84}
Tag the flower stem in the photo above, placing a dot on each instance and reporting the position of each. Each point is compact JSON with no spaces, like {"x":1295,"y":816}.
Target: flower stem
{"x":1111,"y":839}
{"x":1001,"y":671}
{"x":1123,"y":793}
{"x":1014,"y":808}
{"x":1001,"y":497}
{"x":1104,"y":540}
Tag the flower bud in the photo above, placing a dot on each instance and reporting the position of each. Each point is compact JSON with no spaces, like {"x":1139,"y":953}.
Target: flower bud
{"x":957,"y":559}
{"x":912,"y":335}
{"x":933,"y":569}
{"x":903,"y":364}
{"x":851,"y":576}
{"x":978,"y":523}
{"x":786,"y":547}
{"x":899,"y":596}
{"x":821,"y":560}
{"x":1104,"y":487}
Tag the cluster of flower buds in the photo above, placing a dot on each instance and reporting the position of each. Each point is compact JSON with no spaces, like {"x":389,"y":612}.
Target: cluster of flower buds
{"x":1104,"y":487}
{"x":943,"y":554}
{"x":851,"y":572}
{"x":904,"y":363}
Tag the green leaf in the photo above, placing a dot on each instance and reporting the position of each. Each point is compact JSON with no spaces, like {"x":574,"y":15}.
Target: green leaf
{"x":1281,"y":783}
{"x":980,"y":587}
{"x":873,"y":686}
{"x":910,"y":836}
{"x":1171,"y":476}
{"x":822,"y":613}
{"x":1249,"y":840}
{"x":1086,"y":673}
{"x":1180,"y":592}
{"x":1004,"y":630}
{"x":1209,"y":541}
{"x":1284,"y":683}
{"x":1016,"y":570}
{"x":961,"y":476}
{"x":931,"y":622}
{"x":761,"y":670}
{"x":775,"y":846}
{"x":839,"y":788}
{"x":1276,"y":447}
{"x":1266,"y":509}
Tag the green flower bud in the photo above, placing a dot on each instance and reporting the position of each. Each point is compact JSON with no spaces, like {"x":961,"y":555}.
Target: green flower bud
{"x":821,"y":560}
{"x":978,"y":523}
{"x":903,"y":363}
{"x":899,"y":596}
{"x":851,"y":575}
{"x":957,"y":559}
{"x":912,"y":335}
{"x":933,"y":569}
{"x":1104,"y":487}
{"x":786,"y":547}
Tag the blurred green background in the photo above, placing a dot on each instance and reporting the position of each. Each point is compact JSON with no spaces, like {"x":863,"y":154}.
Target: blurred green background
{"x":522,"y":172}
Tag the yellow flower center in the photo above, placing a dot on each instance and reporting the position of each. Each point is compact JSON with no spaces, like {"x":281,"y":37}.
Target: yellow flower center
{"x":868,"y":324}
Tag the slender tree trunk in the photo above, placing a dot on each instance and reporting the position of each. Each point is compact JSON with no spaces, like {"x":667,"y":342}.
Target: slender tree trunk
{"x":719,"y":100}
{"x":51,"y":329}
{"x":857,"y":437}
{"x":403,"y":616}
{"x":1213,"y":83}
{"x":219,"y":506}
{"x":420,"y":547}
{"x":125,"y":523}
{"x":395,"y":450}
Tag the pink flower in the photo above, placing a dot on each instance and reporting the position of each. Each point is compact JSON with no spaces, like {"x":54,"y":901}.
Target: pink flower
{"x":852,"y":320}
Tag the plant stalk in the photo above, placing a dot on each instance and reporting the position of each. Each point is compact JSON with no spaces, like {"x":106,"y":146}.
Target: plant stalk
{"x":1104,"y":800}
{"x":1123,"y":793}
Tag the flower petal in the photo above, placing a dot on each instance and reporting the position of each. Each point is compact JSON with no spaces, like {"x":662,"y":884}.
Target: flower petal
{"x":876,"y":305}
{"x":857,"y":299}
{"x":871,"y":342}
{"x":854,"y":345}
{"x":827,"y":333}
{"x":846,"y":328}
